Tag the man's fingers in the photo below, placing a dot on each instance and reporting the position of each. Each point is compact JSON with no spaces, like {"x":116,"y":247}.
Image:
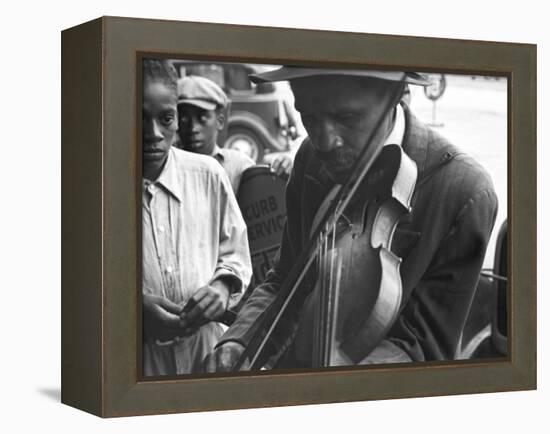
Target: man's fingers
{"x":207,"y":304}
{"x":226,"y":360}
{"x":213,"y":311}
{"x":197,"y":313}
{"x":287,"y":165}
{"x":276,"y":165}
{"x":209,"y":363}
{"x":201,"y":293}
{"x":168,"y":319}
{"x":228,"y":356}
{"x":223,"y":358}
{"x":170,"y":306}
{"x":220,"y":360}
{"x":160,"y":310}
{"x":189,"y":311}
{"x":281,"y":166}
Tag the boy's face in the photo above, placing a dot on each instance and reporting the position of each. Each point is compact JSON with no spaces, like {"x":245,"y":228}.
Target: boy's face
{"x":198,"y":128}
{"x":160,"y":125}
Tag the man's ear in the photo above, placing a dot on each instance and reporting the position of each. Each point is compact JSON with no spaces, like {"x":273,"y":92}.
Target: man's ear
{"x":220,"y":120}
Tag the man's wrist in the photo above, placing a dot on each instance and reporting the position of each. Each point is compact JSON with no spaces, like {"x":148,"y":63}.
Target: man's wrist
{"x":228,"y":282}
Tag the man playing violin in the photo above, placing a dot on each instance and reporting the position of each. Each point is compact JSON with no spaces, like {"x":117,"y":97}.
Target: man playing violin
{"x":441,"y":241}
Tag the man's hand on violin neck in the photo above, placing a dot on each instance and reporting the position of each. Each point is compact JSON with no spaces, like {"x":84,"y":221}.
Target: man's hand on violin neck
{"x":223,"y":358}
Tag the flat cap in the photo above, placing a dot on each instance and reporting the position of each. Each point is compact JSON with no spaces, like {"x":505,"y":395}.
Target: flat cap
{"x":201,"y":92}
{"x":293,"y":72}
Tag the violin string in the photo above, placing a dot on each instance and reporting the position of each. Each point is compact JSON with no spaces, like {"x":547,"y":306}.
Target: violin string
{"x":321,"y":319}
{"x":330,"y":304}
{"x":324,"y":305}
{"x":327,"y":307}
{"x":337,"y":295}
{"x":325,"y":294}
{"x":318,"y":313}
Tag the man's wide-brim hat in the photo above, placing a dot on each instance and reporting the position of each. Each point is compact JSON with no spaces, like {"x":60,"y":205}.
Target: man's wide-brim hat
{"x":287,"y":73}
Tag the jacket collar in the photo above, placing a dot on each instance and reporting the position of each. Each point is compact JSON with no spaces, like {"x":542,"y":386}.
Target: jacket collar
{"x":218,"y":154}
{"x":415,"y":140}
{"x":425,"y":147}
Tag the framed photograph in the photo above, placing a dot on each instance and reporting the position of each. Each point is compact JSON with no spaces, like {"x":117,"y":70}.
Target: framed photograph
{"x":260,"y":217}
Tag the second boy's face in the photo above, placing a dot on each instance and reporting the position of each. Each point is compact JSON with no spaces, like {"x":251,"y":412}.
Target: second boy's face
{"x":198,"y":128}
{"x":160,"y":124}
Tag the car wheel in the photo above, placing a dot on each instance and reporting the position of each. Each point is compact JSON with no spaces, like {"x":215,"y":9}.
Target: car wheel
{"x":246,"y":141}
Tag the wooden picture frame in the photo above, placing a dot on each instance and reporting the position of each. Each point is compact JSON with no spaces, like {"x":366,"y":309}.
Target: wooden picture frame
{"x":101,"y":263}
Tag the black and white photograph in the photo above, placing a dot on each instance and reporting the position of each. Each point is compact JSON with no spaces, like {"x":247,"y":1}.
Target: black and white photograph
{"x":275,"y":217}
{"x":298,"y":218}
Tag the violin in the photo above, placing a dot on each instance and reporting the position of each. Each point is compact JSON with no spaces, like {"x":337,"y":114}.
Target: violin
{"x":358,"y":292}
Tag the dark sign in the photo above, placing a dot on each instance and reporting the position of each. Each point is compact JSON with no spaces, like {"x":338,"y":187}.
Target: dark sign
{"x":262,"y":201}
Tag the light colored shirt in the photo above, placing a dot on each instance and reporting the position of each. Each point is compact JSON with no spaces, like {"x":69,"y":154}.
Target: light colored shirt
{"x":234,"y":163}
{"x":193,"y":233}
{"x":398,"y":130}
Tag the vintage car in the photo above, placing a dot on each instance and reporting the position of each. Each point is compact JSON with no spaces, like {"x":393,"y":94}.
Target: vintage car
{"x":485,"y":333}
{"x":261,"y":120}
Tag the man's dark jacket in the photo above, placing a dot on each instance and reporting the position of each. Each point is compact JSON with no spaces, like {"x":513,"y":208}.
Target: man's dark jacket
{"x":442,"y":243}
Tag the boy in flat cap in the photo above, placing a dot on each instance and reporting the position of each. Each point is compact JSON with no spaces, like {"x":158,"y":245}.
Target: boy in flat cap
{"x":202,"y":107}
{"x":203,"y":110}
{"x":195,"y":245}
{"x":441,"y":242}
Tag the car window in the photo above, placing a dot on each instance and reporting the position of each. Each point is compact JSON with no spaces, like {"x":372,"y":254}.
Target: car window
{"x":237,"y":79}
{"x":211,"y":71}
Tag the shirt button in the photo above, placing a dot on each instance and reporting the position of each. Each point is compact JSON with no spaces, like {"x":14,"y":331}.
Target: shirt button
{"x":161,"y":228}
{"x":169,"y":269}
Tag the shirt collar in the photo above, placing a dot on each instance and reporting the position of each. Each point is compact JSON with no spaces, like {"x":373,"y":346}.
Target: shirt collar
{"x":217,"y":153}
{"x":169,"y":178}
{"x":398,"y":131}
